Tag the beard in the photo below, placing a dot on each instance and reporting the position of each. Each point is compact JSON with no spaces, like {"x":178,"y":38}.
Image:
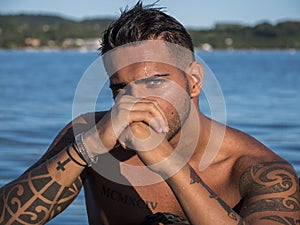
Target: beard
{"x":179,"y":116}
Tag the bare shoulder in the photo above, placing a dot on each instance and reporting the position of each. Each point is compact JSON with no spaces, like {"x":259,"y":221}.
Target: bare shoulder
{"x":252,"y":157}
{"x":79,"y":124}
{"x":247,"y":150}
{"x":67,"y":134}
{"x":268,"y":184}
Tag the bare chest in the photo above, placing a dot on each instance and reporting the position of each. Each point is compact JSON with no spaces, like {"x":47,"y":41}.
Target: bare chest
{"x":121,"y":204}
{"x":125,"y":204}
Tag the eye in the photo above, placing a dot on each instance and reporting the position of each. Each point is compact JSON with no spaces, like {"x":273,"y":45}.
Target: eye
{"x":155,"y":83}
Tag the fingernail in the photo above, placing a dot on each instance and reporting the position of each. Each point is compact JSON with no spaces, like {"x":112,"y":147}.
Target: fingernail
{"x":166,"y":129}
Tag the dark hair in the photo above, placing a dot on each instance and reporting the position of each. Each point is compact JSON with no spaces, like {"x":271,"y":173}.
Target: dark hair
{"x":145,"y":23}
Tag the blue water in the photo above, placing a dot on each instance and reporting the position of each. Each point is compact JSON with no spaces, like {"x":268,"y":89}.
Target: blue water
{"x":261,"y":91}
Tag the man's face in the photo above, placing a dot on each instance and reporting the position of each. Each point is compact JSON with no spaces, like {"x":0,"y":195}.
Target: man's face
{"x":165,"y":83}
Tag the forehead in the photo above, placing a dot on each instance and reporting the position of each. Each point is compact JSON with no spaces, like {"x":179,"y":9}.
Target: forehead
{"x":156,"y":51}
{"x":141,"y":70}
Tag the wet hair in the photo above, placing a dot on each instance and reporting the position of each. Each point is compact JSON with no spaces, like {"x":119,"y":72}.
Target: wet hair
{"x":142,"y":23}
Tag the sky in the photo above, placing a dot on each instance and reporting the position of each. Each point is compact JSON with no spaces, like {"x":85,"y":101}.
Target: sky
{"x":191,"y":13}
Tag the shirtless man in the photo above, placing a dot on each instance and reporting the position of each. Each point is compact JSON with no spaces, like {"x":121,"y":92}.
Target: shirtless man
{"x":244,"y":183}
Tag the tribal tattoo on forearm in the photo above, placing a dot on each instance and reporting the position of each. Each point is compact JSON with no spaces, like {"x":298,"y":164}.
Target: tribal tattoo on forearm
{"x":271,"y":187}
{"x":36,"y":197}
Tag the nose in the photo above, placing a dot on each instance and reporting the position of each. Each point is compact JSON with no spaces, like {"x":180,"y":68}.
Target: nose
{"x":136,"y":91}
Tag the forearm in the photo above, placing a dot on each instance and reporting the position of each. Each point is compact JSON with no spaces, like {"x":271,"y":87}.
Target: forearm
{"x":200,"y":203}
{"x":42,"y":192}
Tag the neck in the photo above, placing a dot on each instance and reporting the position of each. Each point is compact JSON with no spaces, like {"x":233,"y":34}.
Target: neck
{"x":192,"y":139}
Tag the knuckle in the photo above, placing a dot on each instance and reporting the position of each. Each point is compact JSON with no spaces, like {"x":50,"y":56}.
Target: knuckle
{"x":148,"y":116}
{"x":154,"y":103}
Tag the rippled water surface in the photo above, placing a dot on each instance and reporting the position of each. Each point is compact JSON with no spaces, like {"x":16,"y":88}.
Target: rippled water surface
{"x":261,"y":91}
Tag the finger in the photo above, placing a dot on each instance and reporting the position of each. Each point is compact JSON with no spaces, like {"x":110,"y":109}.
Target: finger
{"x":145,"y":105}
{"x":125,"y":117}
{"x":127,"y":99}
{"x":143,"y":113}
{"x":142,"y":116}
{"x":122,"y":142}
{"x":138,"y":136}
{"x":120,"y":95}
{"x":152,"y":106}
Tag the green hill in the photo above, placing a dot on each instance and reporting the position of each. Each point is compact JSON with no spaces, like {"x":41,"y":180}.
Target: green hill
{"x":49,"y":30}
{"x":19,"y":31}
{"x":283,"y":35}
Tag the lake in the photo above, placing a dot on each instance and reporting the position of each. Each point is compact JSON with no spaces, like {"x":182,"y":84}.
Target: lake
{"x":261,"y":91}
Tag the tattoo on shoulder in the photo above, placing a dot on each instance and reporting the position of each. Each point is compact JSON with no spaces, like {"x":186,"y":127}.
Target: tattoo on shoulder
{"x":35,"y":198}
{"x":271,"y":186}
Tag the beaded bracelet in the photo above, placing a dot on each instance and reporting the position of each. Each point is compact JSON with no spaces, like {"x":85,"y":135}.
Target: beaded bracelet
{"x":82,"y":150}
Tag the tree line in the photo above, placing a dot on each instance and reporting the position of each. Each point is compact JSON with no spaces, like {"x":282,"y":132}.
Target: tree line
{"x":19,"y":31}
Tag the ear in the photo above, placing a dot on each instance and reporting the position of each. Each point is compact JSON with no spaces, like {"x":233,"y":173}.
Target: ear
{"x":195,"y":77}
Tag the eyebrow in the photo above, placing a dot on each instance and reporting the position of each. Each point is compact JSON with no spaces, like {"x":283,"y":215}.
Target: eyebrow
{"x":117,"y":86}
{"x":123,"y":84}
{"x":150,"y":78}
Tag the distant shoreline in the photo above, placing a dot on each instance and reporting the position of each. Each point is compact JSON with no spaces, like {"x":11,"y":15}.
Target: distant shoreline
{"x":96,"y":51}
{"x":39,"y":31}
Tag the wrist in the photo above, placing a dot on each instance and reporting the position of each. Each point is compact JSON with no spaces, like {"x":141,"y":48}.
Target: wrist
{"x":93,"y":142}
{"x":89,"y":156}
{"x":169,"y":166}
{"x":75,"y":156}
